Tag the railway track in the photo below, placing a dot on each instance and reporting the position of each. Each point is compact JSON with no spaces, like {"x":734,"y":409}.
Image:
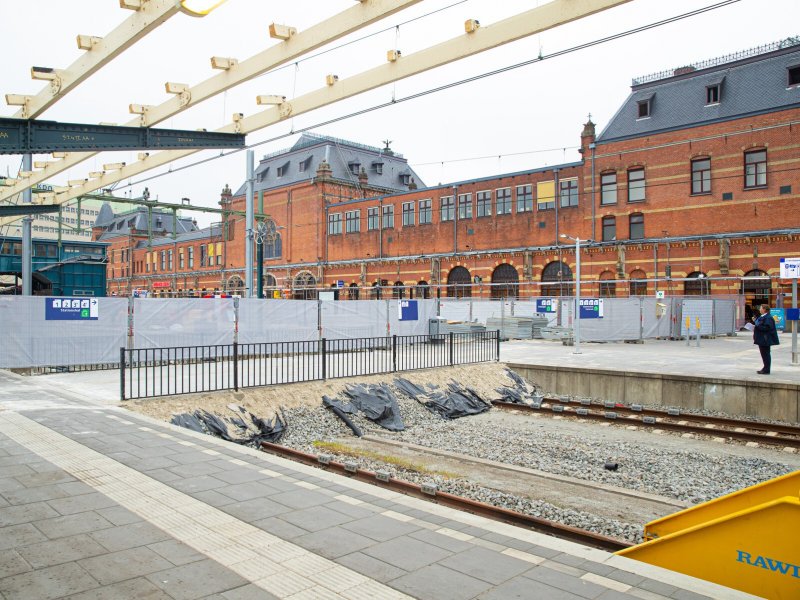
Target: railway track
{"x":431,"y":493}
{"x":784,"y":435}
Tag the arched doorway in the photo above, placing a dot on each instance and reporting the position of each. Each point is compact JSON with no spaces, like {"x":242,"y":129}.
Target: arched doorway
{"x":557,"y":280}
{"x":270,"y":286}
{"x":697,"y":284}
{"x":637,"y":283}
{"x":505,"y":282}
{"x":459,"y":283}
{"x":756,"y":287}
{"x":608,"y":285}
{"x":398,"y":290}
{"x":304,"y":286}
{"x":235,"y":285}
{"x":353,"y":291}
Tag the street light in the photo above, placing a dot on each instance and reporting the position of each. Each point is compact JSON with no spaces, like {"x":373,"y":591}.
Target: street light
{"x":577,"y":320}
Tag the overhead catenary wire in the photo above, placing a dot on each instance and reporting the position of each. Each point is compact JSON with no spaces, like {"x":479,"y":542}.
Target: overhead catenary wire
{"x":446,"y":86}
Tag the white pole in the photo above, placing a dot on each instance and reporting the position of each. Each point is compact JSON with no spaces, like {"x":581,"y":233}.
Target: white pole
{"x":794,"y":324}
{"x":577,"y":295}
{"x":248,"y":253}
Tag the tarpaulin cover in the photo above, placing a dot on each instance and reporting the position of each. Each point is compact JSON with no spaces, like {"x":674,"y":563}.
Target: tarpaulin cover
{"x":263,"y":321}
{"x":243,"y":427}
{"x":376,"y":402}
{"x":168,"y":322}
{"x":453,"y":402}
{"x":30,"y":340}
{"x":520,"y":392}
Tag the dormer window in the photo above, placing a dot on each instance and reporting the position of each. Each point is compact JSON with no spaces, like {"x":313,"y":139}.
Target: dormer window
{"x":644,"y":107}
{"x":712,"y":94}
{"x":405,"y":178}
{"x":263,"y":175}
{"x":305,"y":165}
{"x":794,"y":75}
{"x":282,"y":170}
{"x":377,"y":166}
{"x":355,"y":167}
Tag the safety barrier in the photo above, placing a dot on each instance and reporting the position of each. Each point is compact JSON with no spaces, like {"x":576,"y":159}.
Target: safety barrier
{"x":746,"y":540}
{"x":150,"y":372}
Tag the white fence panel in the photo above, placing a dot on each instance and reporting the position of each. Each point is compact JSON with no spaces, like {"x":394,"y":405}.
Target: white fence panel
{"x":32,"y":341}
{"x":266,"y":321}
{"x":455,"y":310}
{"x":165,"y":322}
{"x":697,"y":309}
{"x":354,"y":319}
{"x":620,"y":321}
{"x":426,"y":310}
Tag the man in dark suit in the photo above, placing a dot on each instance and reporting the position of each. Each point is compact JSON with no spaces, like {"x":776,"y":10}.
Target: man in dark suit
{"x":765,"y":334}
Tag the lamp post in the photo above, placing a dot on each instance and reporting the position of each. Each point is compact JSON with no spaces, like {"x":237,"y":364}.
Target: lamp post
{"x":577,"y":321}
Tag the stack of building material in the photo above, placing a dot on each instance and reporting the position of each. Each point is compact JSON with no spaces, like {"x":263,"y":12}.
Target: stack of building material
{"x":517,"y":328}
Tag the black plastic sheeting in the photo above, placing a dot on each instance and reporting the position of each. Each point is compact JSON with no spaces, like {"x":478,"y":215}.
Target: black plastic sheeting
{"x":451,"y":403}
{"x":339,"y":410}
{"x":376,"y":402}
{"x":521,"y":392}
{"x":242,"y":428}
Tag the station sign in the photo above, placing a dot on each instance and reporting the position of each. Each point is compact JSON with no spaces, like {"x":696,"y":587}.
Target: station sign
{"x":591,"y":308}
{"x":407,"y":310}
{"x":790,"y":268}
{"x":71,"y":309}
{"x":161,"y":284}
{"x":546,"y":305}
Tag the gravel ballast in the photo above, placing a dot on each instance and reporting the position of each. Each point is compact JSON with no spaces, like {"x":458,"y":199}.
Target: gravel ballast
{"x":678,"y":470}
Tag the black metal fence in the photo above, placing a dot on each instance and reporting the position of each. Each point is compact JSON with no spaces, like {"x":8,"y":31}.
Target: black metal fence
{"x":150,"y":372}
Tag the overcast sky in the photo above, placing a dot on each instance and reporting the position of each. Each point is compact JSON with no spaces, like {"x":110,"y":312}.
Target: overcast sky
{"x":524,"y":118}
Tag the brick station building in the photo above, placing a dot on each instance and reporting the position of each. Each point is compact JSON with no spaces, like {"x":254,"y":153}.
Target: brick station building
{"x":691,"y":188}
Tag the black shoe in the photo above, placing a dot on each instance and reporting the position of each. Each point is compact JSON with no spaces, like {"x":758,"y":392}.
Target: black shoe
{"x":762,"y":372}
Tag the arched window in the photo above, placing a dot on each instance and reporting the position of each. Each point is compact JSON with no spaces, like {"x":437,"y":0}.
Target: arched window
{"x":304,"y":286}
{"x":398,"y":290}
{"x":609,"y":229}
{"x":376,"y":291}
{"x":353,"y":291}
{"x":235,"y":285}
{"x":608,"y":285}
{"x":698,"y":285}
{"x":459,"y":283}
{"x":557,"y":280}
{"x":505,"y":282}
{"x":638,"y":286}
{"x":423,"y":290}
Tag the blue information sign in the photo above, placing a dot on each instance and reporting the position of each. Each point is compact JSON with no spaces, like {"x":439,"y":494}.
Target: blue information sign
{"x":408,"y":310}
{"x":546,"y":305}
{"x":591,"y":308}
{"x":778,"y":315}
{"x":71,"y":309}
{"x":792,"y":314}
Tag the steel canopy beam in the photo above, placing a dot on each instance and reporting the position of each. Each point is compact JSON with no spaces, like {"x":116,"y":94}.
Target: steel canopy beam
{"x":148,"y":17}
{"x":548,"y":16}
{"x":352,"y":19}
{"x":14,"y":210}
{"x":19,"y":136}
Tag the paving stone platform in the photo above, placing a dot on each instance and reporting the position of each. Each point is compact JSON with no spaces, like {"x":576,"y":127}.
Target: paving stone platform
{"x":96,"y":502}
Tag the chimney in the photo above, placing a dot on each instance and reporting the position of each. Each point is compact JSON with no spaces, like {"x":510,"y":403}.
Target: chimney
{"x":324,"y":170}
{"x":412,"y":185}
{"x":587,"y":135}
{"x":362,"y":177}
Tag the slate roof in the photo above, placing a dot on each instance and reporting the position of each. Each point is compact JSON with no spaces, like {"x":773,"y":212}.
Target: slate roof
{"x":122,"y":223}
{"x":206,"y":234}
{"x":754,"y":84}
{"x":300,"y":162}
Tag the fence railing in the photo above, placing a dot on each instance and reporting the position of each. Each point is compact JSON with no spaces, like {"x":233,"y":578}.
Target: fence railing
{"x":151,"y":372}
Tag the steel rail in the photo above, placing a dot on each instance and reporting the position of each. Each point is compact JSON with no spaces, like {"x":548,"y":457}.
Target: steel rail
{"x":574,"y":534}
{"x":655,"y":419}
